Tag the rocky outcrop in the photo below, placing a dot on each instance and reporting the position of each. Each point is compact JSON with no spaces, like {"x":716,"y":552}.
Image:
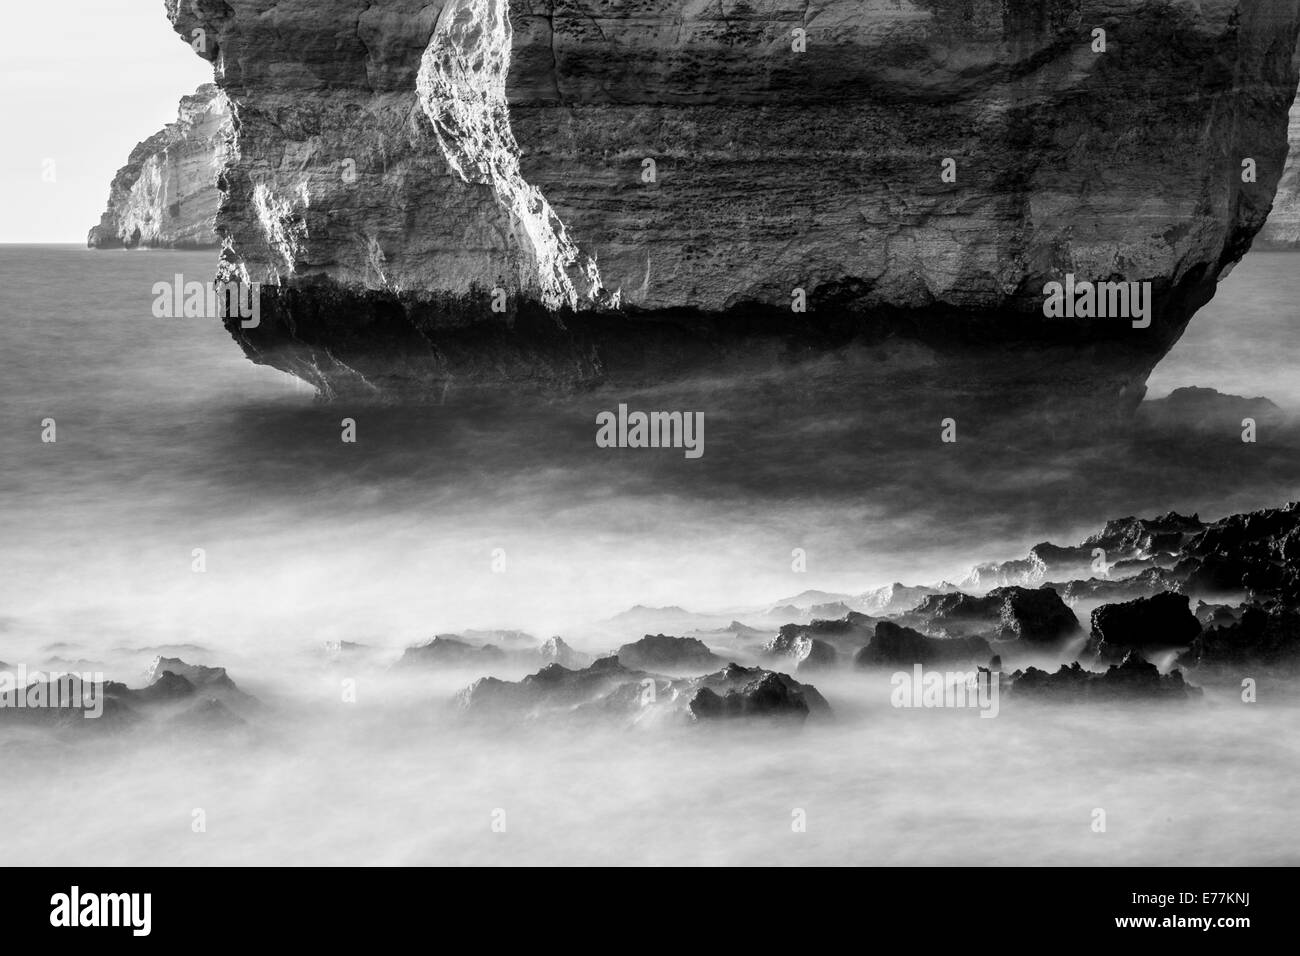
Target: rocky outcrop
{"x":609,"y":690}
{"x":1158,"y":622}
{"x":166,"y":196}
{"x":451,"y":650}
{"x":1268,"y":634}
{"x":1036,"y":615}
{"x":556,"y":651}
{"x":1282,"y":231}
{"x":647,"y":188}
{"x":663,"y":652}
{"x":1134,"y":678}
{"x":844,"y":636}
{"x":895,"y":645}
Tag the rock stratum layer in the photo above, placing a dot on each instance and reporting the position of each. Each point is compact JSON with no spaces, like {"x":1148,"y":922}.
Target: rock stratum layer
{"x":395,"y":161}
{"x":166,"y":196}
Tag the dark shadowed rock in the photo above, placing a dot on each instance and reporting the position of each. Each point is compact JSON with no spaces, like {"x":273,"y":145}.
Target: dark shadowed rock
{"x":662,"y":652}
{"x":1217,"y":615}
{"x":209,"y":681}
{"x":753,"y":692}
{"x":1133,"y":679}
{"x":1264,"y":635}
{"x":1162,"y":621}
{"x":897,"y":645}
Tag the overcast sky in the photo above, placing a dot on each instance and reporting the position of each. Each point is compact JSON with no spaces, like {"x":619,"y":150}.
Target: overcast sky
{"x":81,"y":82}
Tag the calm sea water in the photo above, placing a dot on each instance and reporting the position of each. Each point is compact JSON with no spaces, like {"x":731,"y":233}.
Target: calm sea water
{"x":169,"y":440}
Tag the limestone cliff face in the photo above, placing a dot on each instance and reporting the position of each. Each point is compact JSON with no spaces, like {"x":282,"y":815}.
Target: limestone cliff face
{"x":395,"y":161}
{"x":1282,"y":231}
{"x":166,"y":195}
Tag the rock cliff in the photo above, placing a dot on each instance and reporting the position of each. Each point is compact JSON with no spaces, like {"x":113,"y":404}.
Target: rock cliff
{"x":1282,"y":231}
{"x":166,"y":194}
{"x":648,"y":186}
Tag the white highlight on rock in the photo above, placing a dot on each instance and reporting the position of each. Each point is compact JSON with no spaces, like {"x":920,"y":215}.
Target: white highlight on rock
{"x":462,"y":88}
{"x":281,"y":221}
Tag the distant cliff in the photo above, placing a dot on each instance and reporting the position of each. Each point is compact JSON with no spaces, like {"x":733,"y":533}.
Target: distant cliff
{"x":1282,"y":231}
{"x":166,"y":195}
{"x":647,"y":186}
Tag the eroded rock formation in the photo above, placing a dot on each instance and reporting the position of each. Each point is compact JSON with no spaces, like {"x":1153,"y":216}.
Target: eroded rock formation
{"x":398,"y":160}
{"x":1282,"y":231}
{"x":166,"y":195}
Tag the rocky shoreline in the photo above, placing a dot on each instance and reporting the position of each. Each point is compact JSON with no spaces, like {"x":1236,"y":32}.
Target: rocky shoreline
{"x":1146,"y":609}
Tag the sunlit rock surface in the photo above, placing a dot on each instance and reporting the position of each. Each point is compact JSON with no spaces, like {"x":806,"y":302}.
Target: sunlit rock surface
{"x":166,"y":195}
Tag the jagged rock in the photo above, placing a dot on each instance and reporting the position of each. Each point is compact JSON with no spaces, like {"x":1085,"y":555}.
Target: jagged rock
{"x":806,"y":653}
{"x":1264,"y":635}
{"x":609,"y":689}
{"x":1217,"y":615}
{"x":667,"y":653}
{"x":817,"y":656}
{"x":845,"y":636}
{"x":213,"y":681}
{"x":166,"y":195}
{"x":1036,"y":615}
{"x":896,"y":645}
{"x":1143,"y":584}
{"x":1133,"y":679}
{"x":556,"y":651}
{"x":448,"y":650}
{"x":166,"y":688}
{"x":897,"y":598}
{"x":382,"y":207}
{"x":63,"y":703}
{"x":1257,"y":552}
{"x":752,"y":692}
{"x":1159,"y":622}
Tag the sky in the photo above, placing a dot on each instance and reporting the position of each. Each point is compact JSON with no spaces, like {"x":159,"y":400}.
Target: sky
{"x":81,"y":82}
